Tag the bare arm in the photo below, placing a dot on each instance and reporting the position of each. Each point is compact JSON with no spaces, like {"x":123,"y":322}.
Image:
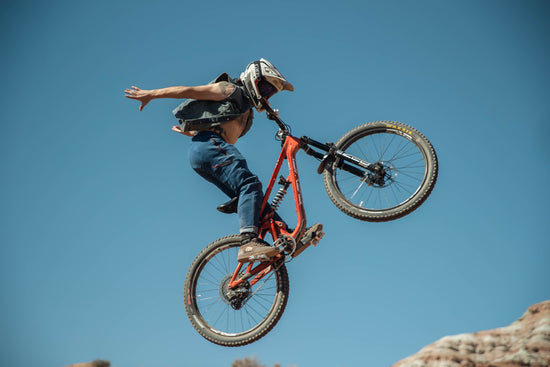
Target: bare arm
{"x":209,"y":92}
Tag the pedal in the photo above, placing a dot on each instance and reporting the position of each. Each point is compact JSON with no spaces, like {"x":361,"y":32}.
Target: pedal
{"x":312,"y":237}
{"x":285,"y":243}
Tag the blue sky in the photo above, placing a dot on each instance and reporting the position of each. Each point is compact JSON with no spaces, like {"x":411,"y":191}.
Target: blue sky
{"x":101,"y":214}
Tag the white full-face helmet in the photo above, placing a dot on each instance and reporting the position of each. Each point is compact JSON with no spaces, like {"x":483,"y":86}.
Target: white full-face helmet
{"x":262,"y":80}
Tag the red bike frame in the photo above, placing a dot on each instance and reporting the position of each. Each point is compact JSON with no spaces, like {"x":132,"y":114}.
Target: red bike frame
{"x":290,"y":148}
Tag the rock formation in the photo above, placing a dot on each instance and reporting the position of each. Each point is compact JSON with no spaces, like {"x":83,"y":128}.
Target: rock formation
{"x":96,"y":363}
{"x":524,"y":343}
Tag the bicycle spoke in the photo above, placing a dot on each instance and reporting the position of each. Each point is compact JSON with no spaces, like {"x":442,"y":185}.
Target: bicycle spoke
{"x":216,"y":310}
{"x":403,"y":162}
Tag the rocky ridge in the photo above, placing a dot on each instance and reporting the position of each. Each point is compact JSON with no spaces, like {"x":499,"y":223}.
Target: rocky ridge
{"x":524,"y":343}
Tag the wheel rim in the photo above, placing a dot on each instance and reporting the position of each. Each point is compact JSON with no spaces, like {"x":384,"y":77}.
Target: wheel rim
{"x":215,"y":302}
{"x":403,"y":167}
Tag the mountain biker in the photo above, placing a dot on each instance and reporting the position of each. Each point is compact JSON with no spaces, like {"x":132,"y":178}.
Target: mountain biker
{"x":216,"y":115}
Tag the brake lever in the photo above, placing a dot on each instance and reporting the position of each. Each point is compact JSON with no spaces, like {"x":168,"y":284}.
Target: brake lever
{"x":273,"y":115}
{"x":270,"y":112}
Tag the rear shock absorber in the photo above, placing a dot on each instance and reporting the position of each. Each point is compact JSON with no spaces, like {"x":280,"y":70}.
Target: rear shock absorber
{"x":281,"y":193}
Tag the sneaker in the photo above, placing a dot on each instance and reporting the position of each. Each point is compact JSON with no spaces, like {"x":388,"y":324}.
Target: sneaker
{"x":253,"y":249}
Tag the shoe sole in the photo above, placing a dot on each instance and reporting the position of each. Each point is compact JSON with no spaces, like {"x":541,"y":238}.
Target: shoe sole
{"x":259,"y":257}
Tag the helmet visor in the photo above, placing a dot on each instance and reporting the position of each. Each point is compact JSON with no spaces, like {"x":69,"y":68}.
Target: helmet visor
{"x":266,"y":89}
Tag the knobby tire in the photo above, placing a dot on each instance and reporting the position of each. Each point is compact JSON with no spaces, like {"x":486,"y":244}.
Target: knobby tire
{"x":410,"y":165}
{"x":211,"y":314}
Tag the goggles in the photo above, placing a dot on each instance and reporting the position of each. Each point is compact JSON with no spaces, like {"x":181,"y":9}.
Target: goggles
{"x":266,"y":89}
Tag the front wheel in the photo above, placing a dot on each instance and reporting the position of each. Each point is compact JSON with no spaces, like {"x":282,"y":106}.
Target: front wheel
{"x":403,"y":174}
{"x":238,"y":316}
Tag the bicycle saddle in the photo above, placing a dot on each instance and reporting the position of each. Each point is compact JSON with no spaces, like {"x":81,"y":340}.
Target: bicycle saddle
{"x":230,"y":206}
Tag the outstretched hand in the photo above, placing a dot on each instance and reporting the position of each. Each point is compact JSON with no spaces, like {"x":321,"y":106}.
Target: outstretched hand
{"x":139,"y":95}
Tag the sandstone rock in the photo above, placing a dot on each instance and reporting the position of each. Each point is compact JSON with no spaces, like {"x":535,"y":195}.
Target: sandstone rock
{"x":96,"y":363}
{"x":524,"y":343}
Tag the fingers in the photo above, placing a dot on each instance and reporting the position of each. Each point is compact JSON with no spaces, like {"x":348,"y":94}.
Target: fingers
{"x":136,"y":94}
{"x":186,"y":133}
{"x":143,"y":104}
{"x":132,"y":90}
{"x":133,"y":94}
{"x":129,"y":93}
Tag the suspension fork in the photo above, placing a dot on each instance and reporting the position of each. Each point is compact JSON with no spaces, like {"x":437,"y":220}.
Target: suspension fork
{"x":333,"y":152}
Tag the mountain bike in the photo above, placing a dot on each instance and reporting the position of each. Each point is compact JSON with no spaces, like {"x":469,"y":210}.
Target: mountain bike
{"x":377,"y":172}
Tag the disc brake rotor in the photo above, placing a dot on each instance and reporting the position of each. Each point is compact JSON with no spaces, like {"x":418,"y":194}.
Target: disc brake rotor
{"x":383,"y":175}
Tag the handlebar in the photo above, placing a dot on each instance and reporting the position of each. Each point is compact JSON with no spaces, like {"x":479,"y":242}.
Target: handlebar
{"x":331,"y":150}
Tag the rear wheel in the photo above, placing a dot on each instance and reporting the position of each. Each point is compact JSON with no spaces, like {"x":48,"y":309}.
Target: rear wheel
{"x":238,"y":316}
{"x":405,"y":172}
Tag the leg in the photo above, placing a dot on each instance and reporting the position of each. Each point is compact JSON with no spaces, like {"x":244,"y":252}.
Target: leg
{"x":224,"y":166}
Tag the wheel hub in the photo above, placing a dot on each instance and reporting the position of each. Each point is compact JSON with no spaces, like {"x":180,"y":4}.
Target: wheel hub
{"x":236,"y":296}
{"x":381,"y":175}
